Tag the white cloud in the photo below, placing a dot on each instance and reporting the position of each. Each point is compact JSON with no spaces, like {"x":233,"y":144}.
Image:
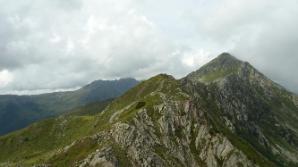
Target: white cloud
{"x":5,"y":78}
{"x":196,"y":58}
{"x":52,"y":44}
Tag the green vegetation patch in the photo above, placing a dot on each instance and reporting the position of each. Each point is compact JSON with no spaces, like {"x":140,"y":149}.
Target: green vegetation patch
{"x":218,"y":73}
{"x":43,"y":137}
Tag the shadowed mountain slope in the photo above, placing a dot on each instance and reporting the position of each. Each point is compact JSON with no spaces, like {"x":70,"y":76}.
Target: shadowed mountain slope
{"x":19,"y":111}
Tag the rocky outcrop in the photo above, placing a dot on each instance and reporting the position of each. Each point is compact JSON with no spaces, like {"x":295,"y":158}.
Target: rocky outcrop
{"x":174,"y":133}
{"x":249,"y":104}
{"x":220,"y":120}
{"x":104,"y":157}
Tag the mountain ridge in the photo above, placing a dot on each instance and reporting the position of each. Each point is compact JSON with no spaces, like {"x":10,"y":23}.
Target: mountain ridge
{"x":226,"y":121}
{"x":19,"y":111}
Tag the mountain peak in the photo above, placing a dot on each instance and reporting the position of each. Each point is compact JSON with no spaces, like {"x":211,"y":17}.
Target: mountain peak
{"x":224,"y":59}
{"x":220,"y":67}
{"x":226,"y":55}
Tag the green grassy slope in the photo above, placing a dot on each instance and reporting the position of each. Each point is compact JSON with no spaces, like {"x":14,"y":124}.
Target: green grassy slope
{"x":41,"y":140}
{"x":19,"y":111}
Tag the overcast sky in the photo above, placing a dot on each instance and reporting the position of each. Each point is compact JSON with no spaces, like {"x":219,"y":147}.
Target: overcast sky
{"x":48,"y":45}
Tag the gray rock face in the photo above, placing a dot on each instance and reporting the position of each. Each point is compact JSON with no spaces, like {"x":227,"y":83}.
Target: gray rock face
{"x":103,"y":157}
{"x":178,"y":136}
{"x":253,"y":107}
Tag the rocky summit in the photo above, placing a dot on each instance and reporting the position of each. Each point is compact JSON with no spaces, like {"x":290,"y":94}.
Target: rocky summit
{"x":226,"y":114}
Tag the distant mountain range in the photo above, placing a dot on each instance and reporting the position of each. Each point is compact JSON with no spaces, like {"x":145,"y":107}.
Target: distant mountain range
{"x":19,"y":111}
{"x":225,"y":114}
